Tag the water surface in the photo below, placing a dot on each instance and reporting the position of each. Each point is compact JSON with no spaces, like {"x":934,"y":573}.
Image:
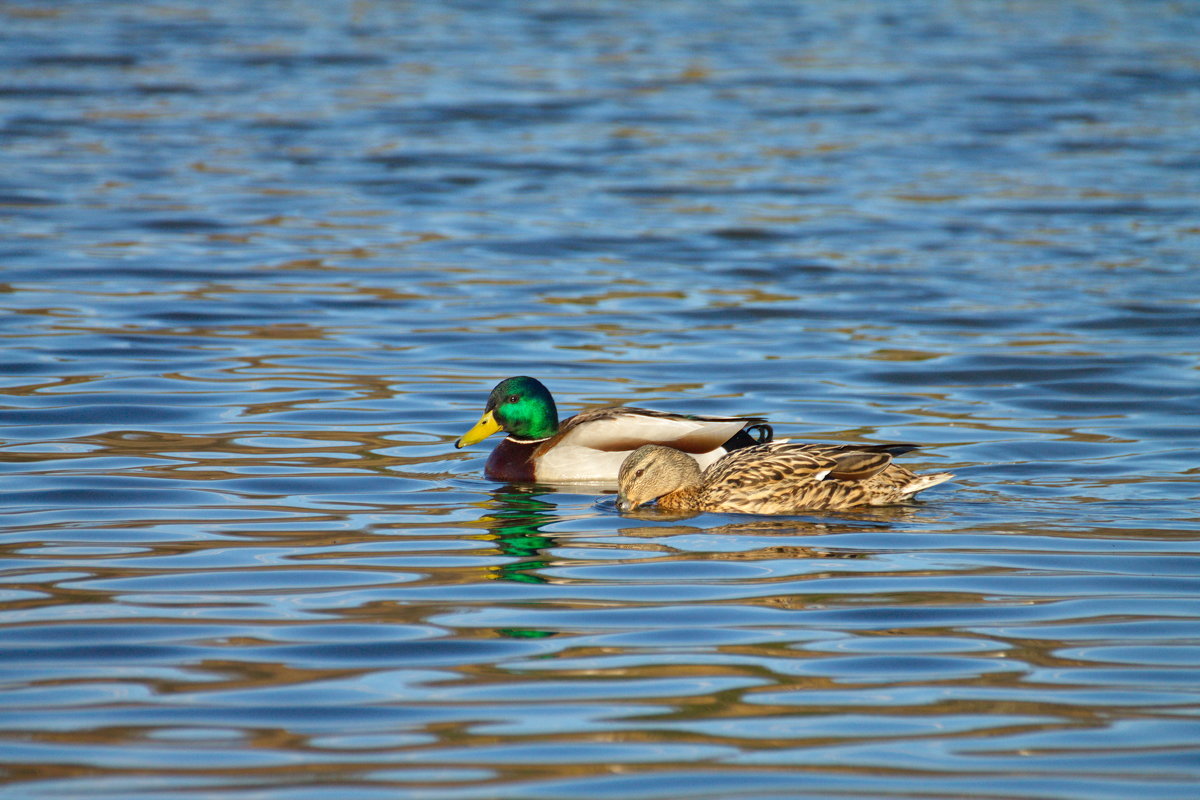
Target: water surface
{"x":262,"y":263}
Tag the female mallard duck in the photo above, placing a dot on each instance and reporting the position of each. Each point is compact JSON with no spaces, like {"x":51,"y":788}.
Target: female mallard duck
{"x":779,"y":477}
{"x":591,"y":445}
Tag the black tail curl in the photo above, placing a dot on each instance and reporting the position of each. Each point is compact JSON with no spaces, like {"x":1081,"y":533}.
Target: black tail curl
{"x":760,"y":433}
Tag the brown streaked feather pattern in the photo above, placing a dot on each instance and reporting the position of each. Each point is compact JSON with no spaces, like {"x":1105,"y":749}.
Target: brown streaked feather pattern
{"x":775,"y":478}
{"x":858,"y":466}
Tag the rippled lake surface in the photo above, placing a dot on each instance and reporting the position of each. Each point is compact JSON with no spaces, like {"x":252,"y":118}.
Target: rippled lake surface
{"x":262,"y":261}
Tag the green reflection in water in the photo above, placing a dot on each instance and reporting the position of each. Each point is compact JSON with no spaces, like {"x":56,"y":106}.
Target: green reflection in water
{"x":515,"y":523}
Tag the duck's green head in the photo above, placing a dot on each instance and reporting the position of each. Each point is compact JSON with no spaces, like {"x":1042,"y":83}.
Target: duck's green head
{"x":520,"y":406}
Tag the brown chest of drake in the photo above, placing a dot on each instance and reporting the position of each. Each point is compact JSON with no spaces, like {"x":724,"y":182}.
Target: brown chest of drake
{"x":511,"y":462}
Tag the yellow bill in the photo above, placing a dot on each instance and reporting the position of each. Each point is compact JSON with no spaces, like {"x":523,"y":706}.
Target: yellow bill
{"x":486,"y":426}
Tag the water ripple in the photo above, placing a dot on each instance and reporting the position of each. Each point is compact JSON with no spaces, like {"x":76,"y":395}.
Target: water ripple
{"x":261,"y":270}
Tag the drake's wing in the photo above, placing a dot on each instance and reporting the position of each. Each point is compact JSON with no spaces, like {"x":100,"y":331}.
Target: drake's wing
{"x":624,"y":429}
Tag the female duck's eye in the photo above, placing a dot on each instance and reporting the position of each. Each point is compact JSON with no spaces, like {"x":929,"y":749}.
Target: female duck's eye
{"x":639,"y":473}
{"x":512,"y":398}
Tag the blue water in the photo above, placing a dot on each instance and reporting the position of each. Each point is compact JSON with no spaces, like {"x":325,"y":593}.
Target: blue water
{"x":262,"y":262}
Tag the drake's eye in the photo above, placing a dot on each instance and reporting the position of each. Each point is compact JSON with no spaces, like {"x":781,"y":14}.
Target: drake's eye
{"x":512,"y":398}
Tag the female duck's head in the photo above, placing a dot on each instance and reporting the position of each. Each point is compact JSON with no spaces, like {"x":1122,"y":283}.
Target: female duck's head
{"x":652,"y":471}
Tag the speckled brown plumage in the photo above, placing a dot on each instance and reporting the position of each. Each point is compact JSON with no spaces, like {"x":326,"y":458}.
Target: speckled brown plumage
{"x":776,"y":478}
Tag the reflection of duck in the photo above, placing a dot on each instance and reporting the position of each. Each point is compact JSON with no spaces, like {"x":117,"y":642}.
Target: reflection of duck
{"x":775,"y":478}
{"x":759,"y":537}
{"x":514,"y":523}
{"x":515,"y":526}
{"x":591,"y":445}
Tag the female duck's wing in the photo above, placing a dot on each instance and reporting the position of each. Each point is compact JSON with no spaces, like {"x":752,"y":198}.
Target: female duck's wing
{"x":791,"y":462}
{"x":772,"y":463}
{"x":858,"y":465}
{"x":784,"y":477}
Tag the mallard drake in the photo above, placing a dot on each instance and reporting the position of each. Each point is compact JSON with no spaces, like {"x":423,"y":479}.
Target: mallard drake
{"x":779,"y":477}
{"x":590,"y":446}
